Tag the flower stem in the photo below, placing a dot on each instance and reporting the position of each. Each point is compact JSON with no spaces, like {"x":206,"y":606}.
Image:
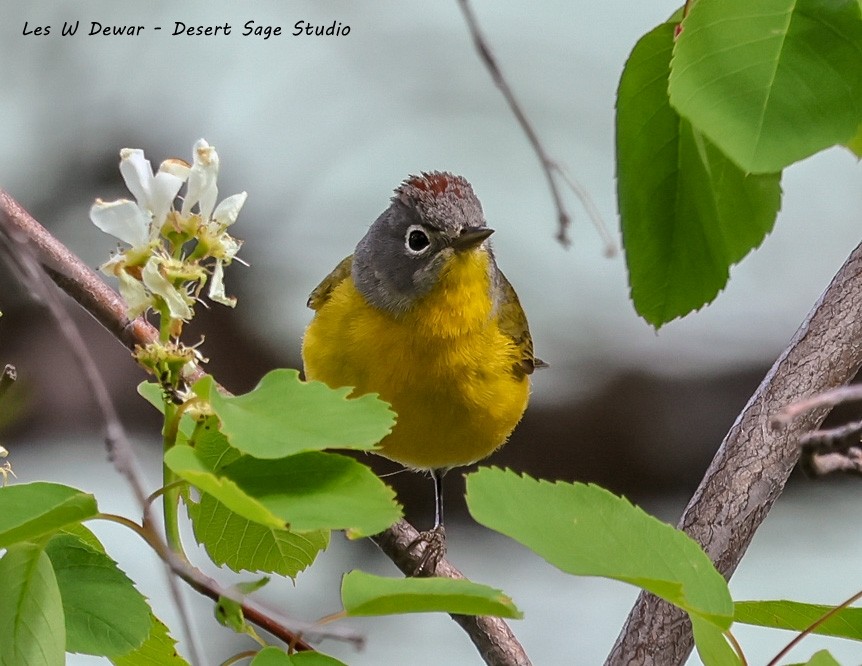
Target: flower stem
{"x":125,"y":522}
{"x":171,"y":499}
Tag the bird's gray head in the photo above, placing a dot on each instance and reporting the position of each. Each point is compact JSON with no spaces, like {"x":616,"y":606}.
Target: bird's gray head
{"x":431,"y":217}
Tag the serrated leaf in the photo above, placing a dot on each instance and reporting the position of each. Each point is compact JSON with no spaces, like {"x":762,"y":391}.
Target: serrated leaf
{"x":773,"y":81}
{"x":306,"y":492}
{"x":105,"y":614}
{"x":797,"y":616}
{"x":365,"y":594}
{"x":283,"y":416}
{"x":314,"y":491}
{"x":31,"y":510}
{"x":687,"y":212}
{"x":84,"y":534}
{"x":211,"y":445}
{"x":185,"y":463}
{"x":588,"y":531}
{"x":240,"y":544}
{"x":273,"y":656}
{"x":158,"y":650}
{"x":32,"y":630}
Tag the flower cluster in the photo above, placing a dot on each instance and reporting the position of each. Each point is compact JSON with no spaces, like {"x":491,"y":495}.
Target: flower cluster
{"x":174,"y":251}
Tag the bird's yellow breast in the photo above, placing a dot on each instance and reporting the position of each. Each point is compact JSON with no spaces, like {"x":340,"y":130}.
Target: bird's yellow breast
{"x":444,"y":365}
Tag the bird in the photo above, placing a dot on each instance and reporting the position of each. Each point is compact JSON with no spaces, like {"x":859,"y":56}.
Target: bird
{"x":421,"y":315}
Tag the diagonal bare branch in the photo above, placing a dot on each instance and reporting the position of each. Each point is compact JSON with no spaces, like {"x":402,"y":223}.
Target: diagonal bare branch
{"x":31,"y":248}
{"x":550,"y":167}
{"x":753,"y":462}
{"x":492,"y":636}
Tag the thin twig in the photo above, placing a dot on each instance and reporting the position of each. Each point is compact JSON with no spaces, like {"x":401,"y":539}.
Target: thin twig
{"x":830,"y":398}
{"x":18,"y":230}
{"x":818,"y":463}
{"x":289,"y":630}
{"x":491,"y":635}
{"x":832,"y":437}
{"x":549,"y":165}
{"x":811,"y":628}
{"x":591,"y":209}
{"x":736,"y":647}
{"x":20,"y":254}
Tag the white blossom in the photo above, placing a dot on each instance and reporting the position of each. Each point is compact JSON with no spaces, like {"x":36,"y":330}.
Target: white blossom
{"x":157,"y":270}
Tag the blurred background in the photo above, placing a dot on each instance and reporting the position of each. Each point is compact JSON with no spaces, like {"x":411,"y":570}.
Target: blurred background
{"x":319,"y":131}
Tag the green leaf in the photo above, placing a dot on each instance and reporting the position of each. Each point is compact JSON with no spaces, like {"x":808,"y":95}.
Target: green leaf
{"x":315,"y":491}
{"x":773,"y":81}
{"x":229,"y":614}
{"x":184,"y":462}
{"x":83,"y":534}
{"x":152,"y":393}
{"x":304,"y":493}
{"x":273,"y":656}
{"x":821,"y":658}
{"x":284,"y":416}
{"x":797,"y":616}
{"x":105,"y":615}
{"x":158,"y":650}
{"x":31,"y":510}
{"x":855,"y":144}
{"x":687,"y":212}
{"x":32,"y":630}
{"x":588,"y":531}
{"x":365,"y":594}
{"x":712,"y":646}
{"x":240,"y":544}
{"x":211,"y":445}
{"x":228,"y":610}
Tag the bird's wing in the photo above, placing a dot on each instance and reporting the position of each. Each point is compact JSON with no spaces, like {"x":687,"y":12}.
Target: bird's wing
{"x":513,"y":322}
{"x":323,"y":291}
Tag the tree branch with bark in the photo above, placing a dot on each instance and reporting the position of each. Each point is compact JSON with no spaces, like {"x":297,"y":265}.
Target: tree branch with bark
{"x":492,"y":637}
{"x":755,"y":459}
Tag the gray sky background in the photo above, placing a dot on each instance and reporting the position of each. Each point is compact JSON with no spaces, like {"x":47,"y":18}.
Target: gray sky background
{"x":319,"y":130}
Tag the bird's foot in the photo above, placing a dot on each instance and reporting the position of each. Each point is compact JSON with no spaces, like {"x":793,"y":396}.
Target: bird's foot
{"x":431,"y":548}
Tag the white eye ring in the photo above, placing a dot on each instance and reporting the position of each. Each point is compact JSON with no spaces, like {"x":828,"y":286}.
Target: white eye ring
{"x":414,"y":239}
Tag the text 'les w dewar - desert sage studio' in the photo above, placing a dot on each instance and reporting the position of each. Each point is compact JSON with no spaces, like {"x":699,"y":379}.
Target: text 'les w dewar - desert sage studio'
{"x":249,"y":29}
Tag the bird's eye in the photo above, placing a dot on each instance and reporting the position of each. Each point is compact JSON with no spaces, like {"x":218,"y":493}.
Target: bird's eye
{"x":416,"y":239}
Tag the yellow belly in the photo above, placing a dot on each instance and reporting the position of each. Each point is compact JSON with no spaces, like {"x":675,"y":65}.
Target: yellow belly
{"x":444,"y":366}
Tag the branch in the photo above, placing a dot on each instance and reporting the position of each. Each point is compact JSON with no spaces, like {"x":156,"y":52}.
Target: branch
{"x":76,"y":278}
{"x":549,"y":165}
{"x":491,"y":635}
{"x":20,"y":254}
{"x":752,"y":465}
{"x":87,"y":288}
{"x":30,"y":247}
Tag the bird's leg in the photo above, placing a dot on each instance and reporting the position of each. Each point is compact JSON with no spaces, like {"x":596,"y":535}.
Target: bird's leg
{"x":433,"y":541}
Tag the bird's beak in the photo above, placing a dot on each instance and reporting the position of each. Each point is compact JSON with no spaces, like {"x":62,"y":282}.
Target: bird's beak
{"x":471,"y":237}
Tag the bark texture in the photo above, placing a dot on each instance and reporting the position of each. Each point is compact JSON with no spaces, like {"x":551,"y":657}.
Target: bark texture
{"x":752,"y":465}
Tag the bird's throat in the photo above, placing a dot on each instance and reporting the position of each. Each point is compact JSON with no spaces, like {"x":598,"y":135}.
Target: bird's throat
{"x":460,"y":303}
